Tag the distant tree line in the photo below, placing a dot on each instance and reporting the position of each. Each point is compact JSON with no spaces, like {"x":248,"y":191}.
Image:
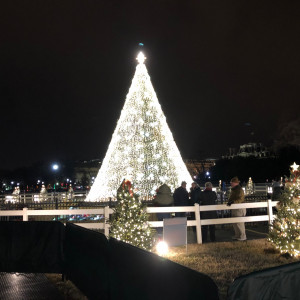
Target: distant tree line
{"x":260,"y":169}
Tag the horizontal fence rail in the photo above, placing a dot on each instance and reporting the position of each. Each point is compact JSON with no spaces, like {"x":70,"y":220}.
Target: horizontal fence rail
{"x":107,"y":211}
{"x":41,"y":197}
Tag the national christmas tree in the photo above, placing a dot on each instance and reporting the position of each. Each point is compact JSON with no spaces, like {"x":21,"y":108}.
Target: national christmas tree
{"x":130,"y":220}
{"x":285,"y":229}
{"x":142,"y":148}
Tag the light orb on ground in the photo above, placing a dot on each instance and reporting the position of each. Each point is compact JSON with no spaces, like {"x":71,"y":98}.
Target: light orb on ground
{"x":162,"y":248}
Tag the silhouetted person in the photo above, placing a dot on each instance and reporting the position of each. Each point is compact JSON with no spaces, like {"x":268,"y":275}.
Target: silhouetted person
{"x":208,"y":197}
{"x":163,"y":198}
{"x":181,"y":198}
{"x":195,"y":193}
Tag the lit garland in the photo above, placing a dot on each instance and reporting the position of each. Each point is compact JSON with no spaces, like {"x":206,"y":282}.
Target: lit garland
{"x":142,"y":148}
{"x":285,"y":229}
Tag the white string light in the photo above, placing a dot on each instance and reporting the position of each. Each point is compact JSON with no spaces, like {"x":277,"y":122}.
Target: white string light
{"x":151,"y":152}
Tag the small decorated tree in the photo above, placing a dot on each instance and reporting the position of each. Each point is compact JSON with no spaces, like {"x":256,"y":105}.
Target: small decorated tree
{"x":249,"y":187}
{"x":285,"y":229}
{"x":130,"y":220}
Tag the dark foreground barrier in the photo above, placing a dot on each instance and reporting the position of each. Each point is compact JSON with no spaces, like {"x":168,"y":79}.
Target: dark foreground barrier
{"x":115,"y":270}
{"x":277,"y":283}
{"x":87,"y":261}
{"x":139,"y":274}
{"x":32,"y":247}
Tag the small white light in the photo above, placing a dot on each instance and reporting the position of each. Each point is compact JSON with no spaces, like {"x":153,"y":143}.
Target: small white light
{"x":141,"y":58}
{"x":162,"y":248}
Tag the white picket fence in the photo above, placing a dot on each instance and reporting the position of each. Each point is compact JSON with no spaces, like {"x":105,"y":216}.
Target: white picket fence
{"x":106,"y":211}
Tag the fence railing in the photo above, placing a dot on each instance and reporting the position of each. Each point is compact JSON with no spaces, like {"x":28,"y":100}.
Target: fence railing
{"x":38,"y":197}
{"x":259,"y":189}
{"x":106,"y":212}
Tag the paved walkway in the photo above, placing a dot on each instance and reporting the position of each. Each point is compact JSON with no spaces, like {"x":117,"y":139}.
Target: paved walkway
{"x":23,"y":286}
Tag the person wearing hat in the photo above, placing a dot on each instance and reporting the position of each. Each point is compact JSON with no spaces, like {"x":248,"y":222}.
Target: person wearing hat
{"x":181,"y":198}
{"x":237,"y":196}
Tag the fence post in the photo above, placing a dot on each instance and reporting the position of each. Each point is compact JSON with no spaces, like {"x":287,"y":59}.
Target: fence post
{"x":270,"y":211}
{"x":198,"y":223}
{"x":25,"y":214}
{"x":106,"y":219}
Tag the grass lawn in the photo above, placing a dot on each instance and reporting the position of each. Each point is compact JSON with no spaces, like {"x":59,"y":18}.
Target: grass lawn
{"x":224,"y":261}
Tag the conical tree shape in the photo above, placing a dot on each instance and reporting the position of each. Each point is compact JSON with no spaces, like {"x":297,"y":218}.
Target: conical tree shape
{"x":142,"y":148}
{"x":130,"y":220}
{"x":285,"y":229}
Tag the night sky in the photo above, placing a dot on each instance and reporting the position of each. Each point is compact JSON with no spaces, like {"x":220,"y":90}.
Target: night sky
{"x":225,"y":73}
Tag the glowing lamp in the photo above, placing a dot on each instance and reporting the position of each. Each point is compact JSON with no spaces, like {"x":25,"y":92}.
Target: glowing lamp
{"x":162,"y":248}
{"x":55,"y":167}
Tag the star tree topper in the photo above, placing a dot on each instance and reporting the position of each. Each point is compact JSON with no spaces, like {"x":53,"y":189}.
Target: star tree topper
{"x":141,"y":58}
{"x":294,"y":167}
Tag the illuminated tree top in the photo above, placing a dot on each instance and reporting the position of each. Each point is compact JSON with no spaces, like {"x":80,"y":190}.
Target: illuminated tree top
{"x":142,"y":148}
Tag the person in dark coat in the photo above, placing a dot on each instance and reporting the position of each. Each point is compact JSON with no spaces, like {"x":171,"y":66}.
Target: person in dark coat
{"x":208,"y":197}
{"x":181,"y":198}
{"x":163,"y":198}
{"x":195,"y":194}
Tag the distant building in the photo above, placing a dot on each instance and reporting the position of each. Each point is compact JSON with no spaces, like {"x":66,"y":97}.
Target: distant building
{"x":199,"y":166}
{"x":257,"y":150}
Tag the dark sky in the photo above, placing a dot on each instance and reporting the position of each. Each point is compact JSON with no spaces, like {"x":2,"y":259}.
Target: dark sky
{"x":221,"y":70}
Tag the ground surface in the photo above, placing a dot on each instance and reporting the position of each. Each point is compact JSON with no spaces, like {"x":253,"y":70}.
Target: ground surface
{"x":224,"y":261}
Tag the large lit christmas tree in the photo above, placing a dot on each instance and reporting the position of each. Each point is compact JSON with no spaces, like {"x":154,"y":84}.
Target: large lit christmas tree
{"x":285,"y":229}
{"x":130,"y":220}
{"x":142,"y":148}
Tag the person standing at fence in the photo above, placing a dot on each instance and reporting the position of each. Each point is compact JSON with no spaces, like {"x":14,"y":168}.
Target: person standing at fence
{"x":237,"y":196}
{"x":195,"y":193}
{"x":208,"y":197}
{"x":181,"y":198}
{"x":163,"y":198}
